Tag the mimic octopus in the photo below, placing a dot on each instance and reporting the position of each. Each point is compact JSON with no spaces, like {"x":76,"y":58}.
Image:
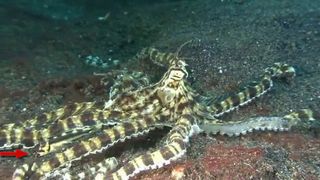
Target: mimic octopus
{"x":78,"y":130}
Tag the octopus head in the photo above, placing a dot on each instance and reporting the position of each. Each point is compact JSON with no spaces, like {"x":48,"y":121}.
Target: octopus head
{"x":172,"y":82}
{"x":177,"y":70}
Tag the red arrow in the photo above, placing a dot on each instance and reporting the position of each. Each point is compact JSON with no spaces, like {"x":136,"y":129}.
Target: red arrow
{"x":18,"y":153}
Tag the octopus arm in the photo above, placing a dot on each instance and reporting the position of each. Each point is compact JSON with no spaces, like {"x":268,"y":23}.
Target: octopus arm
{"x":47,"y":118}
{"x":76,"y":126}
{"x":157,"y":57}
{"x":304,"y":117}
{"x":97,"y":144}
{"x":71,"y":120}
{"x":175,"y":148}
{"x":251,"y":92}
{"x":91,"y":170}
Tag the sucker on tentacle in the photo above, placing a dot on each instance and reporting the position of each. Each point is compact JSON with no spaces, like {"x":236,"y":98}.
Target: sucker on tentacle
{"x":107,"y":165}
{"x":176,"y":147}
{"x":303,"y":116}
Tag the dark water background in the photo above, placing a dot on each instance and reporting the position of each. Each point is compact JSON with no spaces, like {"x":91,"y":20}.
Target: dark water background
{"x":43,"y":44}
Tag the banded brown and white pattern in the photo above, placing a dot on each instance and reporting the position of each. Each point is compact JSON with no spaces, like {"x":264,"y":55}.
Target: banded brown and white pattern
{"x":255,"y":90}
{"x":71,"y":133}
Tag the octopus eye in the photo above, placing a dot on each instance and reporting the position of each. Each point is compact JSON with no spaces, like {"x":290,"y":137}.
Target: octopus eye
{"x":169,"y":98}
